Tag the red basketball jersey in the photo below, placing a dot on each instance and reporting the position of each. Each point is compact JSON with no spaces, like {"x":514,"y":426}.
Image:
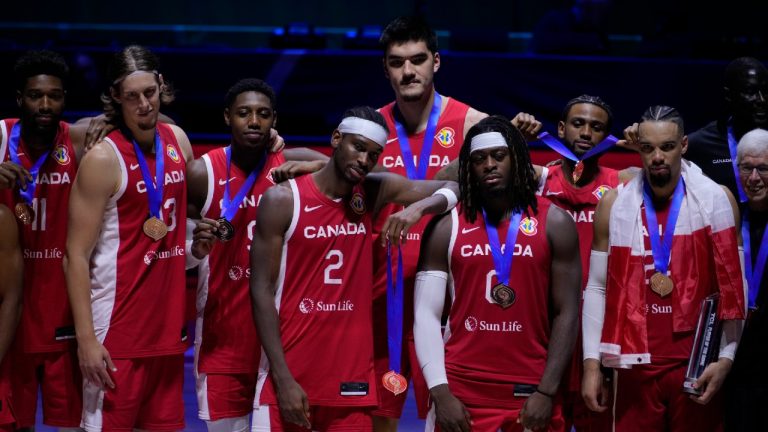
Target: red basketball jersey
{"x":488,"y":349}
{"x":663,"y":342}
{"x":580,"y":203}
{"x":137,"y":284}
{"x":324,"y":298}
{"x":46,"y":324}
{"x":449,"y":137}
{"x":226,"y":333}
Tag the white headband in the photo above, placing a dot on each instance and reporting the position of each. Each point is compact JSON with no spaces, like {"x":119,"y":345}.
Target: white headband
{"x":487,"y":140}
{"x":371,"y":130}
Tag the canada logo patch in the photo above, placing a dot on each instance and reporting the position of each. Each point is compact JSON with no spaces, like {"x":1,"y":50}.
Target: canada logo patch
{"x":61,"y":155}
{"x":528,"y":226}
{"x":600,"y":191}
{"x":172,"y":153}
{"x":357,"y":203}
{"x":445,"y":137}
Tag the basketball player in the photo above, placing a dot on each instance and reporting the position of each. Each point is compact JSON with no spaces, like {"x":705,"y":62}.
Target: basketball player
{"x":11,"y":270}
{"x":514,"y":305}
{"x":39,"y":154}
{"x":311,"y":256}
{"x":426,"y":132}
{"x":672,"y":240}
{"x":225,"y":186}
{"x":125,"y":257}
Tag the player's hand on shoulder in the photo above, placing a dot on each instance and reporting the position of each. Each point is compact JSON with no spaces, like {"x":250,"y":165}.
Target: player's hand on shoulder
{"x":450,"y":413}
{"x":631,"y":139}
{"x":293,"y":403}
{"x":98,"y":128}
{"x":276,"y":142}
{"x":203,"y":237}
{"x":292,"y":169}
{"x":711,"y":380}
{"x":14,"y":175}
{"x":95,"y":363}
{"x":396,"y":226}
{"x":527,"y":125}
{"x":536,"y":412}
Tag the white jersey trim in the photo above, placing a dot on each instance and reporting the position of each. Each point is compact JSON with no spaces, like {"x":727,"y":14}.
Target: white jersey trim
{"x":4,"y":141}
{"x":123,"y":174}
{"x":542,"y":180}
{"x":211,"y":180}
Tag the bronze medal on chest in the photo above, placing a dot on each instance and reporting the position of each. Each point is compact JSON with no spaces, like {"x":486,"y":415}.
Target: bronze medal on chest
{"x":503,"y":295}
{"x":661,"y":284}
{"x":154,"y":228}
{"x":24,"y":213}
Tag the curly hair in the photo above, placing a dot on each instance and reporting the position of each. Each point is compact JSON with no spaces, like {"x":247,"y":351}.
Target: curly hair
{"x":43,"y":62}
{"x":522,"y":187}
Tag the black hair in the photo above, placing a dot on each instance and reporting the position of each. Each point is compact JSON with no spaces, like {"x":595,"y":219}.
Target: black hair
{"x":588,"y":99}
{"x":665,"y":114}
{"x":367,"y":113}
{"x":522,"y":187}
{"x":250,"y":84}
{"x":131,"y":59}
{"x":735,"y":70}
{"x":33,"y":63}
{"x":406,"y":29}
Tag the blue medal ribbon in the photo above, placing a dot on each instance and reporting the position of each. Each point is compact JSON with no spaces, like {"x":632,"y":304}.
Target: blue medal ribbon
{"x":420,"y":172}
{"x":229,"y":207}
{"x":502,"y":261}
{"x":662,"y":247}
{"x":732,"y":144}
{"x":754,"y":273}
{"x":154,"y":189}
{"x":27,"y":191}
{"x":555,"y":144}
{"x":394,"y":310}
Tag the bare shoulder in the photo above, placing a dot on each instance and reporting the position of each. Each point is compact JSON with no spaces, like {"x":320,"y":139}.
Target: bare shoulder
{"x":559,"y":218}
{"x":183,"y":140}
{"x":473,"y":116}
{"x":99,"y":168}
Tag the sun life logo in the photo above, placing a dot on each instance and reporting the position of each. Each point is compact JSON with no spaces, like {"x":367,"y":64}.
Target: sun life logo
{"x":470,"y":323}
{"x":306,"y":305}
{"x":149,"y":257}
{"x":235,"y":273}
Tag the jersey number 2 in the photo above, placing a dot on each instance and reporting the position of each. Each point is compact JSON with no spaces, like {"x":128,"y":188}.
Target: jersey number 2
{"x":336,"y":255}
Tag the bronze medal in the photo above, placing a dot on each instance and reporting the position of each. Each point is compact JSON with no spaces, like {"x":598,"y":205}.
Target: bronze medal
{"x":394,"y":382}
{"x":24,"y":213}
{"x":661,"y":284}
{"x":155,"y":229}
{"x":577,"y":171}
{"x":226,"y":231}
{"x":503,"y":295}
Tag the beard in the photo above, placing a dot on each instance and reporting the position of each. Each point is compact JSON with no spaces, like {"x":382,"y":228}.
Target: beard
{"x":660,"y":180}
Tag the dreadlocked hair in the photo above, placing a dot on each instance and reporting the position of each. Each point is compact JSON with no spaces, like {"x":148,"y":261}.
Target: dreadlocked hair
{"x":522,"y":186}
{"x":663,"y":113}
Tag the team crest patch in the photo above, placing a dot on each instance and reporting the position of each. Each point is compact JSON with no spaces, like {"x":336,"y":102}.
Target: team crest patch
{"x":172,"y":153}
{"x":357,"y":203}
{"x":600,"y":191}
{"x":445,"y":137}
{"x":61,"y":155}
{"x":528,"y":226}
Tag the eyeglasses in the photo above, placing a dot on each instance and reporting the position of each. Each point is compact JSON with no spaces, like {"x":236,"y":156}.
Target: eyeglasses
{"x":762,"y":170}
